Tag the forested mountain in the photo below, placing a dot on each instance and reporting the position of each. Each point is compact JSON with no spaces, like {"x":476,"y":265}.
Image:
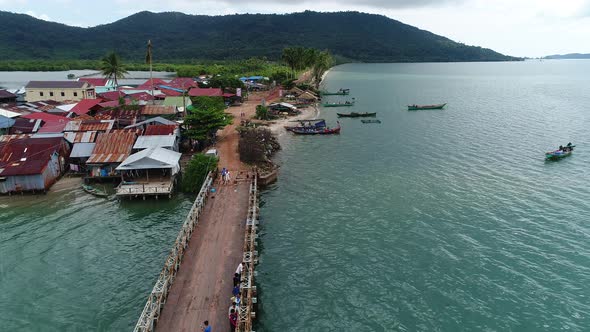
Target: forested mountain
{"x":348,"y":35}
{"x":568,"y":56}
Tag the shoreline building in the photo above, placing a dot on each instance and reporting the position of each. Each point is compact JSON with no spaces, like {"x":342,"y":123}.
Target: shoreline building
{"x":59,"y":91}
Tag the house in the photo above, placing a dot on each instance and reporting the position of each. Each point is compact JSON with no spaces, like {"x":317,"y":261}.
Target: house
{"x":7,"y":97}
{"x":110,"y":151}
{"x":51,"y":123}
{"x":169,"y":142}
{"x":205,"y":92}
{"x":183,"y":83}
{"x":178,"y":102}
{"x":157,"y":120}
{"x":9,"y":113}
{"x":156,"y":110}
{"x":79,"y":156}
{"x":150,"y":172}
{"x":31,"y":164}
{"x":89,"y":126}
{"x":100,"y":84}
{"x":58,"y":90}
{"x":112,"y":95}
{"x":87,"y":106}
{"x":147,"y":85}
{"x":25,"y":126}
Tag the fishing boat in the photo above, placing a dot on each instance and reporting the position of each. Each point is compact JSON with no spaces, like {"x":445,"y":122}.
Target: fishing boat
{"x":94,"y":191}
{"x":371,"y":121}
{"x":426,"y":107}
{"x":340,"y":92}
{"x":356,"y":115}
{"x":316,"y":131}
{"x":562,"y":152}
{"x":307,"y":124}
{"x":340,"y":104}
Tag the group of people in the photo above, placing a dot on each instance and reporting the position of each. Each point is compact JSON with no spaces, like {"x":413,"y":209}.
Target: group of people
{"x":236,"y":299}
{"x":569,"y":147}
{"x":225,"y":176}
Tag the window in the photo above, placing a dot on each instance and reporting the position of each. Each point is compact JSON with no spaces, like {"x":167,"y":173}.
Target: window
{"x":51,"y":94}
{"x":41,"y":94}
{"x":63,"y":94}
{"x":75,"y":94}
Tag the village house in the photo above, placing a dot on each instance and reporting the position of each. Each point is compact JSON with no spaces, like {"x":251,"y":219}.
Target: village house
{"x":110,"y":151}
{"x":7,"y":97}
{"x":58,"y":90}
{"x":100,"y":84}
{"x":31,"y":164}
{"x":159,"y":136}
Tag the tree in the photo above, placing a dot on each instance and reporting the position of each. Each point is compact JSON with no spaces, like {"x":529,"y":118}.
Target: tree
{"x":257,"y":145}
{"x":261,"y":112}
{"x":323,"y":62}
{"x":112,"y":67}
{"x":289,"y":58}
{"x":205,"y":117}
{"x":224,"y":81}
{"x":196,"y":172}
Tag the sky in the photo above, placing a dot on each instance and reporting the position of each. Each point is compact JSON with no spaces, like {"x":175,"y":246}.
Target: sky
{"x":530,"y":28}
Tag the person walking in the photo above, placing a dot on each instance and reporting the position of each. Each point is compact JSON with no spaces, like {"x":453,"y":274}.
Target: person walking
{"x":239,"y":270}
{"x":233,"y":320}
{"x":206,"y":327}
{"x":236,"y":290}
{"x":236,"y":279}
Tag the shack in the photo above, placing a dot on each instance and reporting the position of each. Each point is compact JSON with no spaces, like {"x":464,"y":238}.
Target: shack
{"x":110,"y":151}
{"x":31,"y":164}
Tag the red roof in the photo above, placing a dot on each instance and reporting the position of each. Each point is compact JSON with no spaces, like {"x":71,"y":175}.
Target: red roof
{"x":53,"y":126}
{"x":141,"y":96}
{"x":229,"y":95}
{"x":28,"y":156}
{"x":160,"y":130}
{"x":95,"y":81}
{"x":148,"y":84}
{"x":208,"y":92}
{"x":45,"y":117}
{"x":182,"y":83}
{"x":85,"y":105}
{"x":170,"y":93}
{"x":112,"y":95}
{"x":114,"y":103}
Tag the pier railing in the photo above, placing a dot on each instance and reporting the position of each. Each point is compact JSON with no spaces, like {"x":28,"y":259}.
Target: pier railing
{"x":157,"y":298}
{"x":247,"y":288}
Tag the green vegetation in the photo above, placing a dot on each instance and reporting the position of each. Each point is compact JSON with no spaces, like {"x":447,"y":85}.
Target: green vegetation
{"x":300,"y":58}
{"x":257,"y":145}
{"x":112,"y":67}
{"x":348,"y":36}
{"x":196,"y":171}
{"x":261,"y":112}
{"x":204,"y":118}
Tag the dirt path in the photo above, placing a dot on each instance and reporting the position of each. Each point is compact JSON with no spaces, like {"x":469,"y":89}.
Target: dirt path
{"x":203,"y":285}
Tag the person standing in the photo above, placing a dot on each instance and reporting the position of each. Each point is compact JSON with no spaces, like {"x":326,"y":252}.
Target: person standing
{"x":236,"y":290}
{"x":236,"y":279}
{"x":206,"y":327}
{"x":233,"y":319}
{"x":239,"y":271}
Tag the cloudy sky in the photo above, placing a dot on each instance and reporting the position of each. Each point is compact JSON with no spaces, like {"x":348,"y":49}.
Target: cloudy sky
{"x":515,"y":27}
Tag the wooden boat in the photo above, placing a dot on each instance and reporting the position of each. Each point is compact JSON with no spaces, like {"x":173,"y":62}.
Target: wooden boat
{"x":371,"y":121}
{"x":93,"y":191}
{"x":339,"y":104}
{"x":562,"y":152}
{"x":426,"y":107}
{"x":307,"y":124}
{"x":356,"y":115}
{"x":341,"y":92}
{"x":316,"y":131}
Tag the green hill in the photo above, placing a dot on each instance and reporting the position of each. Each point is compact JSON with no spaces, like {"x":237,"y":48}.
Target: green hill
{"x":349,"y":35}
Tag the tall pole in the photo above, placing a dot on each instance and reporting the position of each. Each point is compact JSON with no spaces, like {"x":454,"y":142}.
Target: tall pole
{"x":148,"y":59}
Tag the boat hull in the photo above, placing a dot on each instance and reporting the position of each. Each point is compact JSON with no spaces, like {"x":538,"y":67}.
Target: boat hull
{"x":298,"y":131}
{"x":356,"y":115}
{"x":426,"y":107}
{"x":556,"y":155}
{"x":338,"y":105}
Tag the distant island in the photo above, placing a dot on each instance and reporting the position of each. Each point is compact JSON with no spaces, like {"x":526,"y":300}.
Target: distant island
{"x":178,"y":37}
{"x":568,"y":56}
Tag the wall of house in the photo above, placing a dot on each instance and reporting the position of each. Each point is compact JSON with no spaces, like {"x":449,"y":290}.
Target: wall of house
{"x":38,"y":182}
{"x":33,"y":95}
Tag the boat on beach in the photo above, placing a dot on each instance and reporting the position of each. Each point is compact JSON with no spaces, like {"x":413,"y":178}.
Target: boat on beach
{"x":562,"y":152}
{"x":426,"y":107}
{"x":340,"y":92}
{"x":356,"y":115}
{"x":316,"y":131}
{"x":371,"y":121}
{"x":307,"y":124}
{"x":94,"y":191}
{"x":340,"y":104}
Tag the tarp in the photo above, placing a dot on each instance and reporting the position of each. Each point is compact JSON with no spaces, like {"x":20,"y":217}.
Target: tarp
{"x":152,"y":158}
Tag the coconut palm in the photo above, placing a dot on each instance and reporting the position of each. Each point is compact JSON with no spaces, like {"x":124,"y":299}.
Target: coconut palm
{"x":323,"y":62}
{"x":112,"y":67}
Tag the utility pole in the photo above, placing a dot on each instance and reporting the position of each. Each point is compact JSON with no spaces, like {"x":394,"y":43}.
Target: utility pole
{"x":148,"y":59}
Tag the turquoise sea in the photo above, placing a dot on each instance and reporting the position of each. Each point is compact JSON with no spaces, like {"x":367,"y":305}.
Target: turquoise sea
{"x":446,"y":220}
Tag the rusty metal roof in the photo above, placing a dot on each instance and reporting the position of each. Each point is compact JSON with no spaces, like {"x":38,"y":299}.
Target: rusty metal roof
{"x":81,"y":137}
{"x":113,"y":147}
{"x":90,"y":125}
{"x":158,"y":110}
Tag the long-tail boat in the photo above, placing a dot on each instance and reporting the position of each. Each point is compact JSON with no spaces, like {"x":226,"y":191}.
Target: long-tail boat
{"x":356,"y":115}
{"x":94,"y":191}
{"x":341,"y":92}
{"x":371,"y":121}
{"x":562,"y":152}
{"x":340,"y":104}
{"x":426,"y":107}
{"x":316,"y":131}
{"x":307,"y":124}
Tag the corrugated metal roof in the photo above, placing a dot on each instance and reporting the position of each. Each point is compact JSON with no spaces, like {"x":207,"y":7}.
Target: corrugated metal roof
{"x":6,"y":94}
{"x":207,"y":92}
{"x":160,"y":130}
{"x":154,"y":158}
{"x":90,"y":125}
{"x":85,"y":105}
{"x":158,"y":109}
{"x":112,"y":147}
{"x":148,"y":84}
{"x":28,"y":156}
{"x":163,"y":141}
{"x":158,"y":119}
{"x":55,"y":84}
{"x":95,"y":81}
{"x":81,"y":137}
{"x":82,"y":150}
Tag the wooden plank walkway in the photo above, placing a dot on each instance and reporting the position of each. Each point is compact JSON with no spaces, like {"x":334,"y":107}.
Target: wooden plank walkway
{"x":203,"y":285}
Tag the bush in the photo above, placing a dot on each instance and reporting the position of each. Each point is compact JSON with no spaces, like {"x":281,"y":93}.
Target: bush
{"x":261,"y":112}
{"x":196,"y":172}
{"x":257,"y":145}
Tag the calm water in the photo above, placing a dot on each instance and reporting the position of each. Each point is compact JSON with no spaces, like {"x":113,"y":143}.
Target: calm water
{"x":436,"y":220}
{"x":18,"y":79}
{"x":73,"y":262}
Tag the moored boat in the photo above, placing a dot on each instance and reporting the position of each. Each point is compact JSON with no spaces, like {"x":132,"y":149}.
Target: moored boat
{"x":356,"y":115}
{"x":562,"y":152}
{"x":371,"y":121}
{"x":340,"y":104}
{"x":94,"y":191}
{"x":307,"y":124}
{"x":426,"y":107}
{"x":340,"y":92}
{"x":316,"y":131}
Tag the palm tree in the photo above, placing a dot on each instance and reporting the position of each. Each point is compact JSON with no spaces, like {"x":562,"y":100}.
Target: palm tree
{"x":288,"y":57}
{"x":322,"y":63}
{"x":112,"y":67}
